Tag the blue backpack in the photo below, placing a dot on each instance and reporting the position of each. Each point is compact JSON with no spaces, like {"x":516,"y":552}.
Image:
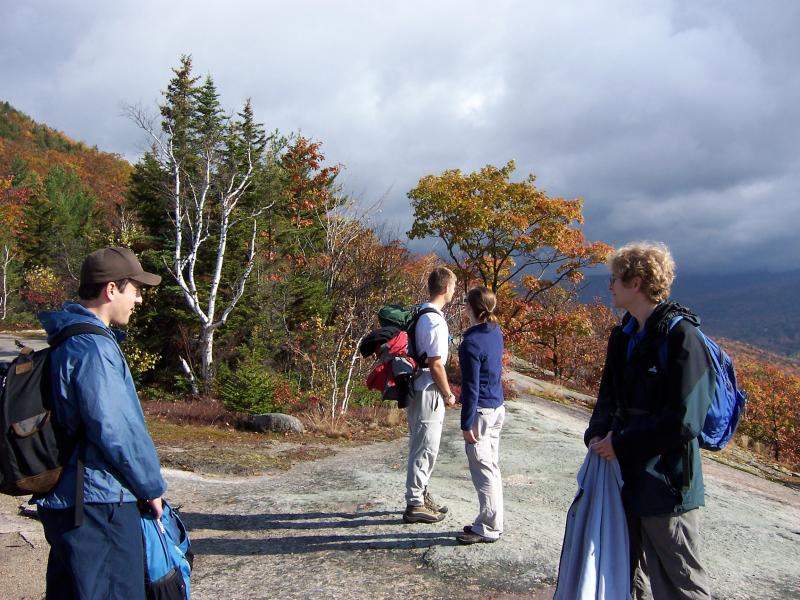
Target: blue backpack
{"x":728,"y":402}
{"x":167,"y":556}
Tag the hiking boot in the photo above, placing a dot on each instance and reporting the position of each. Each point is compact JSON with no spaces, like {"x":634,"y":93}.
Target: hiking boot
{"x":473,"y":538}
{"x":421,"y":514}
{"x":431,"y":503}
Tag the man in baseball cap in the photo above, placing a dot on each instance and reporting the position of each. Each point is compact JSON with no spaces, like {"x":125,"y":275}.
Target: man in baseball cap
{"x":115,"y":264}
{"x":96,"y":541}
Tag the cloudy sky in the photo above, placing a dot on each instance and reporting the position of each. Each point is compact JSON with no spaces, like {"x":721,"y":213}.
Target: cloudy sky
{"x":673,"y":120}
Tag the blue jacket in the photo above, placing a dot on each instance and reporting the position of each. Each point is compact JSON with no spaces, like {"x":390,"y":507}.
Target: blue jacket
{"x":594,"y":561}
{"x":480,"y":357}
{"x":93,"y":390}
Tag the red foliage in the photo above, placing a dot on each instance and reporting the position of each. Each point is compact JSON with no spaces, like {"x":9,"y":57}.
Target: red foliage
{"x":773,"y":412}
{"x":562,"y":335}
{"x":195,"y":413}
{"x":12,"y":207}
{"x":310,"y":184}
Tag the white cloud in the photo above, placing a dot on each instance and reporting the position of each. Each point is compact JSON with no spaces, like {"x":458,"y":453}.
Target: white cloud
{"x":650,"y":111}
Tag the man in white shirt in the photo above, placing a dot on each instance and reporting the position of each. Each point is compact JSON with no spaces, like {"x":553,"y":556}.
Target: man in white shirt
{"x":431,"y":391}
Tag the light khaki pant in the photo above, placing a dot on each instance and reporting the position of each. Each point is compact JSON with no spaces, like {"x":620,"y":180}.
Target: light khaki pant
{"x":665,"y":558}
{"x":484,"y":468}
{"x":425,"y":415}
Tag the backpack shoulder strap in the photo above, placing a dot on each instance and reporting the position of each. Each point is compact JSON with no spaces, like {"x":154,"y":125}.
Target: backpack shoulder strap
{"x":78,"y":329}
{"x":412,"y":335}
{"x":80,"y":442}
{"x":662,"y":347}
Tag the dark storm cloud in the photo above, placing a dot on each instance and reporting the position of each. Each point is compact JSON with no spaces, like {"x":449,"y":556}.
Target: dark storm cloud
{"x":673,"y":120}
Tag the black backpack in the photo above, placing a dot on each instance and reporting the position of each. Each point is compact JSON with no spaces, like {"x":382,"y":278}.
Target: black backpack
{"x":33,"y":448}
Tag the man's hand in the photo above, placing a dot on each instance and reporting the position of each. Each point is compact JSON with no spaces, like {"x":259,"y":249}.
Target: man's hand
{"x":156,"y":508}
{"x":439,"y":376}
{"x":603,"y":447}
{"x":470,"y":436}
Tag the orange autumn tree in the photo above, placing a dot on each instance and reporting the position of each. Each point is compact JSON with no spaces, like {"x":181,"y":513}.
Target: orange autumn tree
{"x":497,"y":229}
{"x":514,"y":239}
{"x":773,"y":410}
{"x":310,"y":186}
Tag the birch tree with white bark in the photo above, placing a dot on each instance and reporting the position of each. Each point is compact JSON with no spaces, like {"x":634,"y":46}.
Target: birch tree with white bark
{"x":6,"y":259}
{"x":211,"y":162}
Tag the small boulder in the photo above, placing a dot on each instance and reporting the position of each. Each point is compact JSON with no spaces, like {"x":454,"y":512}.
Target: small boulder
{"x":277,"y":422}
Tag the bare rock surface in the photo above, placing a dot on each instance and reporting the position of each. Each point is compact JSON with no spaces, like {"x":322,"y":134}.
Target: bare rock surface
{"x":331,"y":528}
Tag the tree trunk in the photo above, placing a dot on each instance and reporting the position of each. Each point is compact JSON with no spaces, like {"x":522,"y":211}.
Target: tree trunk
{"x":6,"y":261}
{"x":207,"y":358}
{"x":348,"y":390}
{"x":189,"y":375}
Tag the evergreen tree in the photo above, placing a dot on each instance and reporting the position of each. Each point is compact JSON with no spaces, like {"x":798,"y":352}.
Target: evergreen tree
{"x":179,"y":108}
{"x":59,"y":224}
{"x":212,"y":165}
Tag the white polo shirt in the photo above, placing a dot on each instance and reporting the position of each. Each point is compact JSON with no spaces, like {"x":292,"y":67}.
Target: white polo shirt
{"x":432,"y":337}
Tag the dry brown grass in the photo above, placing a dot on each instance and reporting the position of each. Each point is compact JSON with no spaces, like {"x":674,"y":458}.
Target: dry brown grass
{"x":335,"y":426}
{"x":194,"y":412}
{"x":386,"y":416}
{"x":202,"y":436}
{"x":361,"y":424}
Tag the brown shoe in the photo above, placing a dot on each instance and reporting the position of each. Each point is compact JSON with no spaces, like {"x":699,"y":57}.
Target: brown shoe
{"x":421,"y":514}
{"x":431,"y":503}
{"x":473,"y":538}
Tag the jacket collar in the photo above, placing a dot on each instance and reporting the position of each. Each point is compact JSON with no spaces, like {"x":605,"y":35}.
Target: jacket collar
{"x":658,"y":322}
{"x":72,"y":313}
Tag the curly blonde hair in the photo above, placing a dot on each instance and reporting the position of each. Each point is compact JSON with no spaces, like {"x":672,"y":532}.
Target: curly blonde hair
{"x":652,"y":261}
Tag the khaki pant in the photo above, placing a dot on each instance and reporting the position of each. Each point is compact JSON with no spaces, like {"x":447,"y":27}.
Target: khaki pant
{"x":484,"y":468}
{"x":425,"y":415}
{"x":665,"y":558}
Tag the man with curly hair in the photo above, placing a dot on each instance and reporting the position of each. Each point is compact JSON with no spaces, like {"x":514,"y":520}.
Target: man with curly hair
{"x":654,"y":395}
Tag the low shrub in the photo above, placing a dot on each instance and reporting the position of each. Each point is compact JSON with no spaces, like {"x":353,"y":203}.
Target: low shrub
{"x":19,"y":321}
{"x":360,"y":396}
{"x":252,"y":388}
{"x":382,"y":414}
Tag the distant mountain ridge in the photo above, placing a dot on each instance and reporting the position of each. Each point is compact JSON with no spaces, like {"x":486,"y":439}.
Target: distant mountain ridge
{"x":29,"y":147}
{"x":760,"y":309}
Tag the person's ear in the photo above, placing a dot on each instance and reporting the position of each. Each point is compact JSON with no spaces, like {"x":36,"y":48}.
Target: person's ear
{"x":110,"y":290}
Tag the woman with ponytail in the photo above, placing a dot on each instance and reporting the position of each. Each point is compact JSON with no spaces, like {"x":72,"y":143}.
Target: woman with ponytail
{"x":482,"y":412}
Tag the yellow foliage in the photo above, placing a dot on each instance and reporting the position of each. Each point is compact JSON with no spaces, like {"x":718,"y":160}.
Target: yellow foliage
{"x":140,"y":361}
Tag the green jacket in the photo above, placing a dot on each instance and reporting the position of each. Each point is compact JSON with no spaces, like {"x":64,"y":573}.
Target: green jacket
{"x":656,"y":412}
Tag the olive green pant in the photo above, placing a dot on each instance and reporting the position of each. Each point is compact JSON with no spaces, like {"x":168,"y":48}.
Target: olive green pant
{"x":665,"y":561}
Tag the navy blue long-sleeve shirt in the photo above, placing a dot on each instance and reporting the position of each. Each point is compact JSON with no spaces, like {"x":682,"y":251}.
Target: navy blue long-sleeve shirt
{"x":480,"y":356}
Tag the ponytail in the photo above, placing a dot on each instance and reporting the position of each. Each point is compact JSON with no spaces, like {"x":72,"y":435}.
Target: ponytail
{"x":483,"y":303}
